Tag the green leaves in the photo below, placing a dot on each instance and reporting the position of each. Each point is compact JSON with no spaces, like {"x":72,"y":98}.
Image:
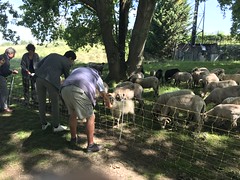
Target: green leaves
{"x":168,"y":27}
{"x":7,"y":11}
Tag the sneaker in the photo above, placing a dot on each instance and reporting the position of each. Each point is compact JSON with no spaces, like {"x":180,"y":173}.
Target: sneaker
{"x":59,"y":128}
{"x":93,"y":148}
{"x":7,"y":111}
{"x":44,"y":127}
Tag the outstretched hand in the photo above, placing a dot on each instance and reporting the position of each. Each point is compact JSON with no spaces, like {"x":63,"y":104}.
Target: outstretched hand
{"x":15,"y":71}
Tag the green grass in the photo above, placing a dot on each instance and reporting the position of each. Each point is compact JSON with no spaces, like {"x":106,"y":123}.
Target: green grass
{"x":146,"y":150}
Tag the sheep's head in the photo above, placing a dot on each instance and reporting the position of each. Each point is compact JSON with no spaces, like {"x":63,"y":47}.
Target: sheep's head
{"x":164,"y":121}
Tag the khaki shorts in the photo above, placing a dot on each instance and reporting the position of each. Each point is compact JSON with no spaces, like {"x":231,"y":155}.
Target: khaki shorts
{"x":76,"y":100}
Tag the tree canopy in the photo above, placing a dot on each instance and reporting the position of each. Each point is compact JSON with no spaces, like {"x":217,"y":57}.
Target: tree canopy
{"x":168,"y":28}
{"x":6,"y":11}
{"x":91,"y":21}
{"x":85,"y":22}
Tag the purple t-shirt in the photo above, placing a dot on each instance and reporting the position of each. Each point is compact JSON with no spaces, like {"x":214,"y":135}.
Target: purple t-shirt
{"x":87,"y":79}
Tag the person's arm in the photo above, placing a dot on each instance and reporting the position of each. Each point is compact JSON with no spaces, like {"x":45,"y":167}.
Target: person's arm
{"x":106,"y":99}
{"x":105,"y":96}
{"x":24,"y":64}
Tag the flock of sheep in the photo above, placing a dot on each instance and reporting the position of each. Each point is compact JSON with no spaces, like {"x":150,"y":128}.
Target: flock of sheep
{"x":220,"y":89}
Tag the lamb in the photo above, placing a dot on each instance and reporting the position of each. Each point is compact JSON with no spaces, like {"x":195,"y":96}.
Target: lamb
{"x":182,"y":77}
{"x":148,"y":82}
{"x":163,"y":99}
{"x":129,"y":90}
{"x":120,"y":108}
{"x":231,"y":100}
{"x":193,"y":104}
{"x":235,"y":77}
{"x":220,"y":84}
{"x":223,"y":115}
{"x":219,"y":94}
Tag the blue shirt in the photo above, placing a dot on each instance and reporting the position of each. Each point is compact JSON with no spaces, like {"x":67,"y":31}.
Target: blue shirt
{"x":87,"y":79}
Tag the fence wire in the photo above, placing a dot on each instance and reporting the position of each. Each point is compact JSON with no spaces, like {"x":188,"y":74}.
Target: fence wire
{"x":214,"y":153}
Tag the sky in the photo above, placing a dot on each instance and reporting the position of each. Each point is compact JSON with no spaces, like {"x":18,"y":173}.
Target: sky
{"x":214,"y":20}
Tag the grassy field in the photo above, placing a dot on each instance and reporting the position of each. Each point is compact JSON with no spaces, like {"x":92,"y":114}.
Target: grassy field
{"x":144,"y":152}
{"x":90,"y":54}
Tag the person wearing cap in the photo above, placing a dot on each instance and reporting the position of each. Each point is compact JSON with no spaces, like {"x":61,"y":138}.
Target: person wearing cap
{"x":5,"y":71}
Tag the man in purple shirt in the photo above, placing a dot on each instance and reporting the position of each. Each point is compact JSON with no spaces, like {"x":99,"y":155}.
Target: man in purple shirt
{"x":78,"y":92}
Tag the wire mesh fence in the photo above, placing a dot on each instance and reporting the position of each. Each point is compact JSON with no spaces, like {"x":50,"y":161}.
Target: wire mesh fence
{"x":214,"y":153}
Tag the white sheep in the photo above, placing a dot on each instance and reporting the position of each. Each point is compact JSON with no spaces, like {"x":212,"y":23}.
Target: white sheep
{"x":148,"y":82}
{"x":235,"y":77}
{"x":120,"y":108}
{"x":193,"y":105}
{"x":183,"y":77}
{"x":223,"y":115}
{"x":163,"y":99}
{"x":231,"y":100}
{"x":129,"y":90}
{"x":219,"y":94}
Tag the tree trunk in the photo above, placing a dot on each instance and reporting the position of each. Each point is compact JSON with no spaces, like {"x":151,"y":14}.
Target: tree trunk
{"x":123,"y":28}
{"x":104,"y":13}
{"x":139,"y":34}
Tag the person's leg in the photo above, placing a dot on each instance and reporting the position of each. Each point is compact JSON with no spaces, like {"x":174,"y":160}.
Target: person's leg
{"x":3,"y":93}
{"x":25,"y":81}
{"x":33,"y":89}
{"x":90,"y":128}
{"x":73,"y":125}
{"x":54,"y":97}
{"x":69,"y":100}
{"x":41,"y":92}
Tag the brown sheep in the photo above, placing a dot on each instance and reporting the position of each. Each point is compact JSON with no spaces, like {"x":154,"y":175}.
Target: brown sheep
{"x":235,"y":77}
{"x":223,"y":115}
{"x":198,"y":74}
{"x":231,"y":100}
{"x":219,"y":94}
{"x":148,"y":82}
{"x":163,"y":99}
{"x":206,"y":79}
{"x":220,"y":84}
{"x":188,"y":103}
{"x":183,"y":77}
